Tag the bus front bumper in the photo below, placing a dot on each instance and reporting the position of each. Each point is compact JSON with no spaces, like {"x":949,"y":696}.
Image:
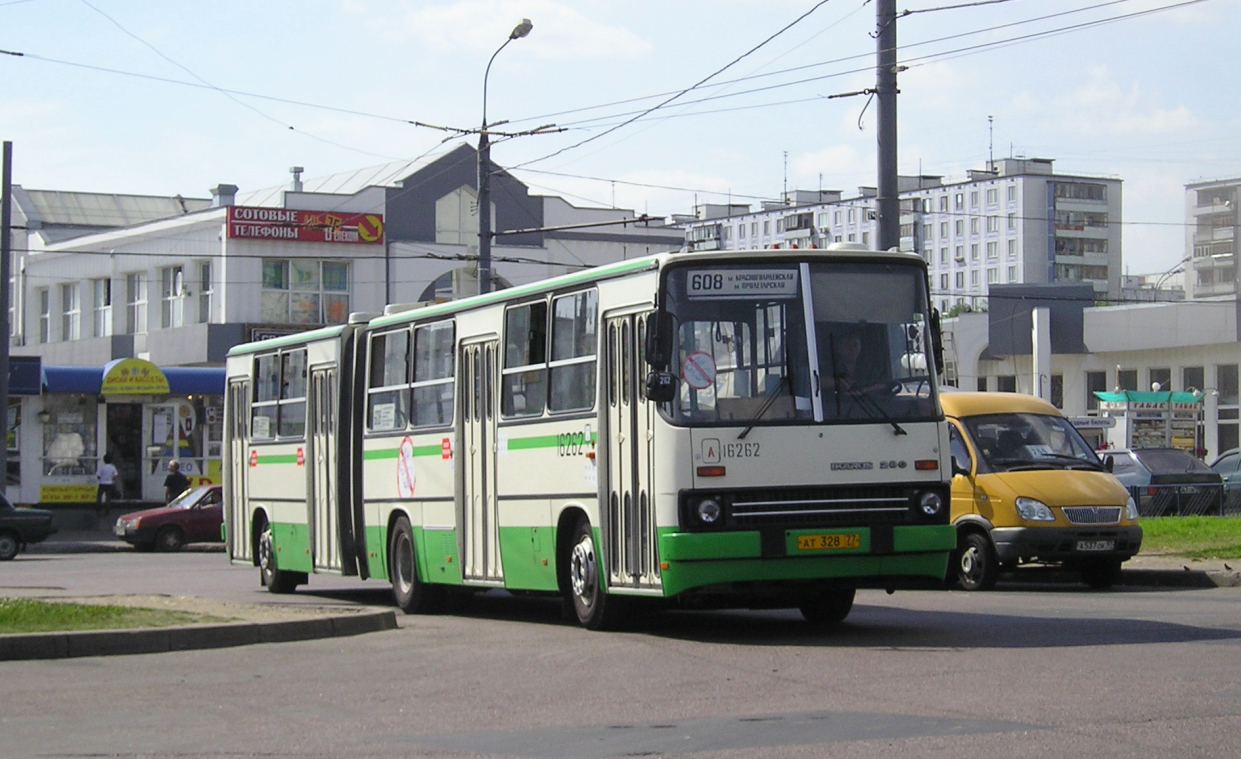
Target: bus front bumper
{"x":898,"y":556}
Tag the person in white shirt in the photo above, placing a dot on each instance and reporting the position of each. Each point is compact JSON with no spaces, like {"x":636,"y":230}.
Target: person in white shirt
{"x":106,"y":474}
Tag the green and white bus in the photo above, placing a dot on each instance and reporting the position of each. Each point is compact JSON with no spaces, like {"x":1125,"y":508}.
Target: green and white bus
{"x":752,"y":429}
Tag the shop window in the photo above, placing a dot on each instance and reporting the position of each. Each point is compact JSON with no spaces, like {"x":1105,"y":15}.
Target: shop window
{"x":434,"y":366}
{"x":388,"y":385}
{"x":575,"y":324}
{"x":297,"y":291}
{"x":69,"y":435}
{"x":524,"y":377}
{"x":279,"y":406}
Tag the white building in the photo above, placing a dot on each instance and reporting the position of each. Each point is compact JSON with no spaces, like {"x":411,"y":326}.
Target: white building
{"x":1018,"y":222}
{"x":1211,"y":221}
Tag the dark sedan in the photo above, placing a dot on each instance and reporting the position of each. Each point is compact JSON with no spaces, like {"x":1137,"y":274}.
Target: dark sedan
{"x":20,"y":527}
{"x":1168,"y":482}
{"x":194,"y":516}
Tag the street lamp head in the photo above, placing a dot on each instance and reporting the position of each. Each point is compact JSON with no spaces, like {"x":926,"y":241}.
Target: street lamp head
{"x":521,"y":30}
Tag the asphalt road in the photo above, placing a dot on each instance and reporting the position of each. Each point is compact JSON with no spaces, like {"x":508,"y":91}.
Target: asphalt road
{"x":1027,"y":671}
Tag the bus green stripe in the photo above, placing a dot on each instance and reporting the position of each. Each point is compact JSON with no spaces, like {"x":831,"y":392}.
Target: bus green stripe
{"x":392,"y":453}
{"x":541,"y":441}
{"x":278,"y":458}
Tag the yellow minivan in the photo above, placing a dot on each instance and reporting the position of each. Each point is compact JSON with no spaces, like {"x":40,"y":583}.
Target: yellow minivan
{"x":1027,"y":489}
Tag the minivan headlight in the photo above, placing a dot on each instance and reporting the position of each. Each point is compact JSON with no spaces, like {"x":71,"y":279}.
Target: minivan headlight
{"x":1033,"y":510}
{"x":1131,"y":509}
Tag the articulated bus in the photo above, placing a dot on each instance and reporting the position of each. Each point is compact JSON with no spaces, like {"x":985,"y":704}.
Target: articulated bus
{"x":754,"y":429}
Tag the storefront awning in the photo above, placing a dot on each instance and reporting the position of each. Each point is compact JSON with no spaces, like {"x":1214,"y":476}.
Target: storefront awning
{"x":134,"y":376}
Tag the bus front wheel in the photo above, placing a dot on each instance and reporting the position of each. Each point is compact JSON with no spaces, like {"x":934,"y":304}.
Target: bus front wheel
{"x":975,"y":562}
{"x":594,"y":608}
{"x":412,"y":595}
{"x":275,"y":580}
{"x":828,"y":608}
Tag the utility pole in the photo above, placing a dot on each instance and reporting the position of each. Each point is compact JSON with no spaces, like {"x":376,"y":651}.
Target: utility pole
{"x":889,"y":204}
{"x":6,"y":249}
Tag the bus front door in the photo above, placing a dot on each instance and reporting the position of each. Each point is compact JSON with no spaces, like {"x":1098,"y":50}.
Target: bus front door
{"x":236,"y":514}
{"x":629,"y":521}
{"x":321,"y":467}
{"x":476,"y":470}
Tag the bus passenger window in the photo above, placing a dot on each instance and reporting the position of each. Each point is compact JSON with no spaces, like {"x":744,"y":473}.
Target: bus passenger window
{"x":524,"y":376}
{"x":575,"y":330}
{"x":388,"y":394}
{"x":434,"y":354}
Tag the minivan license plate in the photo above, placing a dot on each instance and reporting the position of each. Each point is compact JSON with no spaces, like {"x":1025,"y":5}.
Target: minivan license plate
{"x":1096,"y":545}
{"x":833,"y":542}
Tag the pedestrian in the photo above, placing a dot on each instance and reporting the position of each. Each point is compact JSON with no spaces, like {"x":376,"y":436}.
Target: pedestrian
{"x":175,"y":483}
{"x":106,"y":475}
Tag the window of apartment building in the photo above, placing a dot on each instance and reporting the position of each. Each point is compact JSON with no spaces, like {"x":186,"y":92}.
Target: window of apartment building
{"x":102,"y":303}
{"x":943,"y":202}
{"x":960,"y":279}
{"x":1012,"y":274}
{"x":1096,"y":382}
{"x":779,"y":226}
{"x":1127,"y":379}
{"x":974,"y":225}
{"x":836,"y":218}
{"x":959,"y":201}
{"x":993,"y":223}
{"x":754,"y":229}
{"x":993,"y":275}
{"x":135,"y":304}
{"x":993,"y":196}
{"x":837,"y":238}
{"x":852,"y":215}
{"x":943,"y":305}
{"x":1192,"y":378}
{"x":993,"y":251}
{"x":171,"y":300}
{"x":1012,"y":193}
{"x":943,"y":255}
{"x":926,"y":205}
{"x":70,"y":312}
{"x":1080,"y":191}
{"x":852,"y":237}
{"x":1012,"y":221}
{"x":973,"y":198}
{"x":943,"y":229}
{"x":1057,"y":390}
{"x":959,"y":252}
{"x":767,"y":228}
{"x":741,"y":231}
{"x":1161,"y":377}
{"x":307,"y":292}
{"x":960,"y":227}
{"x":943,"y":281}
{"x":1012,"y":248}
{"x":205,"y":292}
{"x":866,"y":239}
{"x":928,"y":231}
{"x":1006,"y":383}
{"x":973,"y":277}
{"x":45,"y":314}
{"x":973,"y":251}
{"x":1226,"y":384}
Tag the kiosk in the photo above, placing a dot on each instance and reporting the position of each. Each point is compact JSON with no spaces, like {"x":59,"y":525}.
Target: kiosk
{"x":1157,"y":419}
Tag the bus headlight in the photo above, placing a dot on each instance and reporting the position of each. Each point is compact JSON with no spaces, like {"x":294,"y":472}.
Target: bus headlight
{"x":1131,"y":509}
{"x":1033,"y":510}
{"x":709,"y":511}
{"x":930,"y":502}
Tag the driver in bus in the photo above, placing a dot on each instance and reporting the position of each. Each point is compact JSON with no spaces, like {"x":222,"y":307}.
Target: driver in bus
{"x":852,"y":366}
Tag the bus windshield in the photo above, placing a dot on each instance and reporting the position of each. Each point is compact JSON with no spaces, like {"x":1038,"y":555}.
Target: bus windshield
{"x":795,"y":343}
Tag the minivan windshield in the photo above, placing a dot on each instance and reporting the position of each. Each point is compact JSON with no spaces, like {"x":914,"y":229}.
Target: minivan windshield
{"x":1012,"y":442}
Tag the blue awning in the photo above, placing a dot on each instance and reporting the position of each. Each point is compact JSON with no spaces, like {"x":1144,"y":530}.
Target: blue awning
{"x":182,"y":380}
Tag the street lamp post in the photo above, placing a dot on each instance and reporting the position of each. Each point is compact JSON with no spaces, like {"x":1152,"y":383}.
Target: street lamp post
{"x":484,"y":171}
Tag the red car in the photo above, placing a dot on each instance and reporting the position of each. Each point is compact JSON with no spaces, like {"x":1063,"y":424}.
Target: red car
{"x":194,"y":516}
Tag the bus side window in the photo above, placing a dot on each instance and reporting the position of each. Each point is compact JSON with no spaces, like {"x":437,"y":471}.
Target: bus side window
{"x":525,"y":360}
{"x":575,"y":333}
{"x":434,"y":366}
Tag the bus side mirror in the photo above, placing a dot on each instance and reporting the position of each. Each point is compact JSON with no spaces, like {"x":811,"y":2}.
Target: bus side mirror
{"x":659,"y":339}
{"x":661,"y":387}
{"x":937,"y":341}
{"x":1109,"y":463}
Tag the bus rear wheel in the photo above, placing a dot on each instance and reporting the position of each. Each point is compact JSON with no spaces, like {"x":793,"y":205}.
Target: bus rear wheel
{"x":412,"y":595}
{"x":275,"y":580}
{"x":829,"y":607}
{"x":593,"y":607}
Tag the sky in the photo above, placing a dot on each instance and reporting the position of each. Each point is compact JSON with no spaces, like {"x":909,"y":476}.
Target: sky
{"x":165,"y":98}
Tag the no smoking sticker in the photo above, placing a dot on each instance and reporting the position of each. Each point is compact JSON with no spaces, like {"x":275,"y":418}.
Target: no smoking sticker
{"x":405,"y":479}
{"x":698,"y":371}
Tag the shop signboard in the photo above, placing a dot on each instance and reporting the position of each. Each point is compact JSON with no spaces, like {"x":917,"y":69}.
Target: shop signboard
{"x":251,"y":223}
{"x":133,"y":376}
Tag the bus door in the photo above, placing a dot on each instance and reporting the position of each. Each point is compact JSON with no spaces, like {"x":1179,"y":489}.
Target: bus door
{"x":629,"y":524}
{"x":476,"y":469}
{"x":321,"y":493}
{"x":238,"y":473}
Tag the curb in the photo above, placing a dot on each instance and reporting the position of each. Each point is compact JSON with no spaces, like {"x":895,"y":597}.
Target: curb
{"x":62,"y":645}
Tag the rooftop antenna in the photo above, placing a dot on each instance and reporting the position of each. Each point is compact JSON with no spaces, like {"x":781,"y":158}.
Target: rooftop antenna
{"x":786,"y":177}
{"x":990,"y":145}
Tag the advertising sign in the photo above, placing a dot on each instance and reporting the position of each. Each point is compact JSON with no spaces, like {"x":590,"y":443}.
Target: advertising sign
{"x":249,"y":223}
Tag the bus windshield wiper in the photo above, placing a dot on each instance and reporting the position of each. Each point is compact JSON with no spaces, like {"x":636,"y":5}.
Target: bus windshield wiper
{"x":772,"y":394}
{"x":870,"y":405}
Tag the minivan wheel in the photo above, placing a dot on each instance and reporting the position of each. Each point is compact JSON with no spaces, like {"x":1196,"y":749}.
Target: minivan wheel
{"x":975,"y":562}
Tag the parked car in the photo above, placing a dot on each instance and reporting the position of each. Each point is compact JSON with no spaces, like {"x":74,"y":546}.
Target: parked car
{"x":20,"y":527}
{"x":1227,"y":467}
{"x":194,"y":516}
{"x":1168,"y":482}
{"x":1028,"y":490}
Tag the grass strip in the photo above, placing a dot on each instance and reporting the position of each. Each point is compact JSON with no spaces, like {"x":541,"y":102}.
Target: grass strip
{"x":1193,"y":537}
{"x":25,"y":615}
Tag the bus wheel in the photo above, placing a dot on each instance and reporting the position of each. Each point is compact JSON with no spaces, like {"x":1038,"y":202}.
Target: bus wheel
{"x":829,"y":607}
{"x":412,"y":595}
{"x":975,"y":563}
{"x":275,"y":580}
{"x":594,"y":608}
{"x":1101,"y":573}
